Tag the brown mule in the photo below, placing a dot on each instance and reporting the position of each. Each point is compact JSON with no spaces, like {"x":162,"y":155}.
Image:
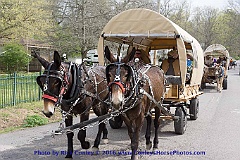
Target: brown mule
{"x":135,"y":93}
{"x":74,"y":89}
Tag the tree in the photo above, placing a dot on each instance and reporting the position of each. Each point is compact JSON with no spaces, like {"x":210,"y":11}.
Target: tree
{"x":181,"y":14}
{"x":14,"y":57}
{"x":231,"y":17}
{"x":204,"y":25}
{"x":80,"y":22}
{"x":24,"y":19}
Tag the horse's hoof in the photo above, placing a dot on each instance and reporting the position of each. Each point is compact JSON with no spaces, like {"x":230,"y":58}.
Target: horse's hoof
{"x":149,"y":146}
{"x":95,"y":150}
{"x":155,"y":149}
{"x":105,"y":141}
{"x":85,"y":145}
{"x":134,"y":158}
{"x":68,"y":156}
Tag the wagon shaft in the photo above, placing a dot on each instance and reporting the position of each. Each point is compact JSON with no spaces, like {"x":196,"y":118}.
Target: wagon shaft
{"x":85,"y":123}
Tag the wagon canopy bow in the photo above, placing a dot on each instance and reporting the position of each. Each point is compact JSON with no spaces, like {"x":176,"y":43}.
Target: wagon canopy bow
{"x":216,"y":50}
{"x":150,"y":29}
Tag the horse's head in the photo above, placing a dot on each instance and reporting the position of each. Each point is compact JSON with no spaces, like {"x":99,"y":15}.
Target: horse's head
{"x":54,"y":82}
{"x":120,"y":78}
{"x":219,"y":70}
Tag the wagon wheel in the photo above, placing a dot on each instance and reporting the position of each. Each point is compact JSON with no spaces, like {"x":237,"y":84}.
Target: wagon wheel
{"x":116,"y":122}
{"x":181,"y":123}
{"x":194,"y":108}
{"x":225,"y":83}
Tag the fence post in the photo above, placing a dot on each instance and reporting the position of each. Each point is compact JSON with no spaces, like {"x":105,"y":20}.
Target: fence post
{"x":14,"y":88}
{"x":39,"y":89}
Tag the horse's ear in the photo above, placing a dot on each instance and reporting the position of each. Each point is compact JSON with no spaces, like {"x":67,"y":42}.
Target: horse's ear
{"x":57,"y":58}
{"x":43,"y":62}
{"x":130,"y":56}
{"x":109,"y":55}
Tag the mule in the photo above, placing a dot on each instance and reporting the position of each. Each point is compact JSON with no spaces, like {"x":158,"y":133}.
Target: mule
{"x":135,"y":92}
{"x":219,"y":73}
{"x":74,"y":89}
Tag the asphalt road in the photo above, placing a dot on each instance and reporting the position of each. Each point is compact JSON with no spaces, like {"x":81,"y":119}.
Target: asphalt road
{"x":214,"y":135}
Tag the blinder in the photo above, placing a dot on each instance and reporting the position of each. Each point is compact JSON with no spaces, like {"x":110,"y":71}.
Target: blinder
{"x":44,"y":80}
{"x":117,"y":79}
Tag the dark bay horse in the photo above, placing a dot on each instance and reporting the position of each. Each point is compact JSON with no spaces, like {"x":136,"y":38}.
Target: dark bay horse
{"x":135,"y":92}
{"x":74,"y":89}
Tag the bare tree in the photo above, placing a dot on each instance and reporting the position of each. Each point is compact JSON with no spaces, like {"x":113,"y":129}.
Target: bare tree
{"x":232,"y":38}
{"x":181,"y":13}
{"x":80,"y":22}
{"x":234,"y":5}
{"x":204,"y":24}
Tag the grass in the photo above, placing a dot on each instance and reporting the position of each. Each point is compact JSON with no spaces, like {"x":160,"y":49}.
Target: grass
{"x":34,"y":120}
{"x":24,"y":115}
{"x":22,"y":90}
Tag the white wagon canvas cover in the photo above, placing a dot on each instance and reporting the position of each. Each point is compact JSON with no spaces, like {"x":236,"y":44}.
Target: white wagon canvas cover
{"x":216,"y":50}
{"x":143,"y":27}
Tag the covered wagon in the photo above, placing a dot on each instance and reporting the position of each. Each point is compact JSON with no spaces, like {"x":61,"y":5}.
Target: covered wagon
{"x":215,"y":53}
{"x":155,"y":35}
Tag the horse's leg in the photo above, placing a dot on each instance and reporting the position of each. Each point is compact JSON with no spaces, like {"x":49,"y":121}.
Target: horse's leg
{"x":217,"y":84}
{"x":101,"y":129}
{"x":134,"y":133}
{"x":148,"y":133}
{"x":134,"y":140}
{"x":82,"y":133}
{"x":105,"y":134}
{"x":220,"y":83}
{"x":156,"y":126}
{"x":68,"y":122}
{"x":104,"y":110}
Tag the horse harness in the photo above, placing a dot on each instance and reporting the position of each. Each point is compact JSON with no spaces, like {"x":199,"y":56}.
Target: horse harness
{"x":219,"y":71}
{"x":134,"y":94}
{"x":133,"y":90}
{"x":77,"y":94}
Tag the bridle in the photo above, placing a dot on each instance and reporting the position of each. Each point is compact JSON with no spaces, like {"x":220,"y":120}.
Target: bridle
{"x":63,"y":76}
{"x":117,"y":79}
{"x":130,"y":87}
{"x":72,"y":89}
{"x":218,"y":71}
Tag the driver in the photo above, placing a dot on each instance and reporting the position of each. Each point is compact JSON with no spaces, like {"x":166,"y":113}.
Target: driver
{"x":170,"y":66}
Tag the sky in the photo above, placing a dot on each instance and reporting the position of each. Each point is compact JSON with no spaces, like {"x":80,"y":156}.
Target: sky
{"x":221,"y":4}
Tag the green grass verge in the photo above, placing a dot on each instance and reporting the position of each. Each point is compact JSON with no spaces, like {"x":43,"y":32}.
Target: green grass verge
{"x":24,"y":115}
